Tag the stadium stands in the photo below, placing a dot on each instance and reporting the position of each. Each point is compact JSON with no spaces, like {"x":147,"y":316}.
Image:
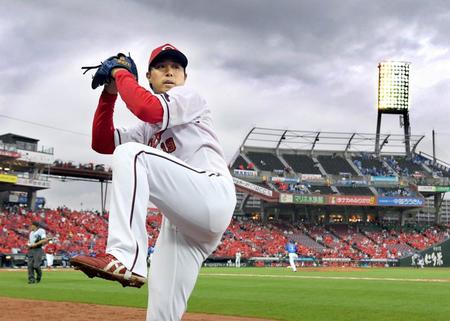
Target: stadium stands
{"x":84,"y":232}
{"x":438,"y":168}
{"x":240,"y":163}
{"x":300,"y":163}
{"x":406,"y":167}
{"x":321,"y":189}
{"x":370,"y":165}
{"x":266,"y":161}
{"x":356,"y":190}
{"x":336,"y":165}
{"x":75,"y":232}
{"x":314,"y":188}
{"x":307,"y":243}
{"x":253,"y":239}
{"x":393,"y":192}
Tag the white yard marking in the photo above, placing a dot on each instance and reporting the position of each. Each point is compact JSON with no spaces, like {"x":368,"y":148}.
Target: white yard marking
{"x":326,"y":277}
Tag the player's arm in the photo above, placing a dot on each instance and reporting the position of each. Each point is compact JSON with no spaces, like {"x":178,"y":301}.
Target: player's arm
{"x":39,"y":243}
{"x":141,"y":102}
{"x":103,"y":125}
{"x":42,"y":242}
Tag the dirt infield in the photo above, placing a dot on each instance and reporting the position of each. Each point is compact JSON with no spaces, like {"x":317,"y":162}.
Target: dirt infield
{"x":32,"y":310}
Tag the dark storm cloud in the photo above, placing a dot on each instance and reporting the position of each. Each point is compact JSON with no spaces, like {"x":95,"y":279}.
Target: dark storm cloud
{"x":258,"y":38}
{"x":40,"y":35}
{"x":289,"y":37}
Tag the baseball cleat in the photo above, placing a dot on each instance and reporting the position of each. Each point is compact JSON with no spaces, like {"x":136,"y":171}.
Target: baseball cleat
{"x":107,"y":267}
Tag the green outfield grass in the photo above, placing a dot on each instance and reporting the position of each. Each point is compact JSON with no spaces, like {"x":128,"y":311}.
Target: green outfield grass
{"x":391,"y":294}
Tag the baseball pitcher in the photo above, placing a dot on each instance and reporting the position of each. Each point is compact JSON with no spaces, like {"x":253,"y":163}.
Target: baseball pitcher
{"x":173,"y":158}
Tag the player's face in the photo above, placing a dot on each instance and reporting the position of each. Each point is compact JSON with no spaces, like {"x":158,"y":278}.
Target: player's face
{"x":165,"y":75}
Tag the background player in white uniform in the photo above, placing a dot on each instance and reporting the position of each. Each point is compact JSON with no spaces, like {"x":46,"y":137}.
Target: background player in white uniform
{"x":187,"y":178}
{"x":237,"y":261}
{"x":50,"y":250}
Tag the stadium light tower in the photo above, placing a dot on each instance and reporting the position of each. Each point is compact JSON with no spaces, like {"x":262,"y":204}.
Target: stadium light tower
{"x":393,"y":97}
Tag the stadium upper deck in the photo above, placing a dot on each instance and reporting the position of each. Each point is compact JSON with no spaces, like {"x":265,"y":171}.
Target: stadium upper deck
{"x":329,"y":169}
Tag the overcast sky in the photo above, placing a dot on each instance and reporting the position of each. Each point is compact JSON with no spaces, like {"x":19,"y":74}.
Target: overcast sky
{"x":300,"y":65}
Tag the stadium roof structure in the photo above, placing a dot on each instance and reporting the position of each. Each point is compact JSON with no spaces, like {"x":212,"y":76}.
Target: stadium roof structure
{"x":11,"y":138}
{"x":273,"y":138}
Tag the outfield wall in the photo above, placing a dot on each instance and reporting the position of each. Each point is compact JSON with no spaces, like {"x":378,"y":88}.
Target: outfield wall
{"x":435,"y":256}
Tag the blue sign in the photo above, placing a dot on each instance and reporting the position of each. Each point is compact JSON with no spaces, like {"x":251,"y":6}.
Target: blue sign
{"x":400,"y":201}
{"x":384,"y":179}
{"x":23,"y":199}
{"x":350,"y":182}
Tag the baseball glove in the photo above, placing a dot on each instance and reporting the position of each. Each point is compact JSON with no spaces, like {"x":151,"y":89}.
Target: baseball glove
{"x":103,"y":73}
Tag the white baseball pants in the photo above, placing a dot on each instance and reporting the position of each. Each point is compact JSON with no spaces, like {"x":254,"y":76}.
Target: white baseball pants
{"x":197,"y":206}
{"x":49,"y":258}
{"x":237,"y":262}
{"x":292,"y":257}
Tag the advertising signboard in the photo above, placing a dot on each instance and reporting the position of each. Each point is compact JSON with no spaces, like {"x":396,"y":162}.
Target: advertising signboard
{"x":352,"y":200}
{"x":310,"y":199}
{"x":400,"y":201}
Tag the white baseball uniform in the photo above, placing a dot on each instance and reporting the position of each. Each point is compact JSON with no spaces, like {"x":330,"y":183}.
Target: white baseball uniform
{"x":292,"y":258}
{"x":237,"y":262}
{"x":50,"y":253}
{"x":188,"y":179}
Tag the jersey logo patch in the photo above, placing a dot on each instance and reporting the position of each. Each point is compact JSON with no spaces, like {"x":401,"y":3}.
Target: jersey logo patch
{"x":169,"y":145}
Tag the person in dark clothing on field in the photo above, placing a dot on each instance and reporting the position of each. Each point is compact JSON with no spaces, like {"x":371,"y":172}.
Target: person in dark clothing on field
{"x":36,"y":240}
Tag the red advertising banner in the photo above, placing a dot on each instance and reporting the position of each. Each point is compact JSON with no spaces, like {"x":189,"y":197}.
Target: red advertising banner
{"x":352,"y":200}
{"x":8,"y":153}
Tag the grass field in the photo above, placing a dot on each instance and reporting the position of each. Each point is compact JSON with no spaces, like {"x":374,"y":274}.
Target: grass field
{"x":391,"y":294}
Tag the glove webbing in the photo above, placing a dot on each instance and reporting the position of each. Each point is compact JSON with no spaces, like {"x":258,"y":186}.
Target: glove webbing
{"x":90,"y":67}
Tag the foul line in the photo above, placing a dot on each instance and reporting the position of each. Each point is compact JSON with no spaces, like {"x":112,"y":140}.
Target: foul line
{"x":326,"y":277}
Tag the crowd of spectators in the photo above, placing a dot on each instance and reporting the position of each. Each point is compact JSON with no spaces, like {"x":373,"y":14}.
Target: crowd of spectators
{"x":85,"y":232}
{"x":249,"y":167}
{"x":438,"y":170}
{"x":252,"y":239}
{"x":372,"y":170}
{"x":335,"y":246}
{"x":296,"y":188}
{"x":405,"y":169}
{"x":396,"y":192}
{"x":73,"y":232}
{"x":86,"y":166}
{"x":424,"y":239}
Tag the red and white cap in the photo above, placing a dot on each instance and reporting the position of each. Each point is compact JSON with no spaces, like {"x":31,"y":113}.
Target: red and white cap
{"x":167,"y":51}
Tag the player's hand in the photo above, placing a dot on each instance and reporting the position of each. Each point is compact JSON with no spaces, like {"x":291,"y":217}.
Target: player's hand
{"x":115,"y":70}
{"x":110,"y":87}
{"x":107,"y":69}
